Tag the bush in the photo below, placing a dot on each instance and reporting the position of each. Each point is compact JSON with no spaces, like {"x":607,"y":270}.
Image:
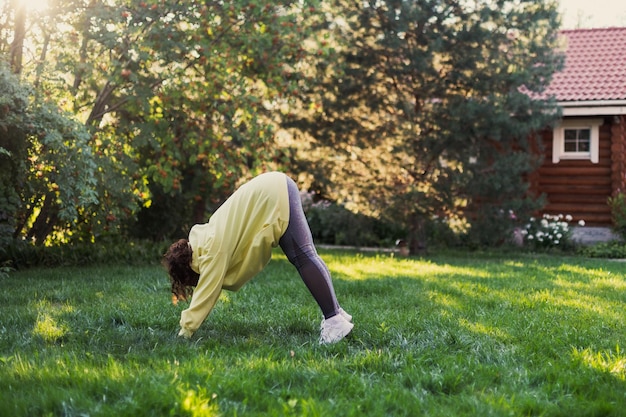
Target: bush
{"x":612,"y":249}
{"x":335,"y":225}
{"x":5,"y":270}
{"x":617,"y":204}
{"x":20,"y":254}
{"x":490,"y":227}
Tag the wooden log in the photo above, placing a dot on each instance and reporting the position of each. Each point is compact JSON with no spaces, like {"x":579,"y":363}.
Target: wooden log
{"x":578,"y":198}
{"x":577,"y":189}
{"x":595,"y":171}
{"x":573,"y":181}
{"x":566,"y":208}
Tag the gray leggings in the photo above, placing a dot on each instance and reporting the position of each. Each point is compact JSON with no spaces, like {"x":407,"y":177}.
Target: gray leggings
{"x":297,"y":243}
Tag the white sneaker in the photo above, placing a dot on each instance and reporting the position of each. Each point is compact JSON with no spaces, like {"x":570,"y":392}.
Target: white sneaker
{"x":334,"y":329}
{"x":345,"y":315}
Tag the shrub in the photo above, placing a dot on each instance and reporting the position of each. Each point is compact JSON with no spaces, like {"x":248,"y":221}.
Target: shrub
{"x":5,"y":269}
{"x":613,"y":249}
{"x":617,"y":205}
{"x":335,"y":225}
{"x":20,"y":254}
{"x":491,"y":227}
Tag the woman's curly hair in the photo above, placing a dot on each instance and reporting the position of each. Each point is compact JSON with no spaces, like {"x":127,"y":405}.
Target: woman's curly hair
{"x":177,"y":261}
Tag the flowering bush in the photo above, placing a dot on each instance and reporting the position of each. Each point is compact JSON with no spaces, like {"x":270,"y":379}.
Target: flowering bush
{"x":548,"y":232}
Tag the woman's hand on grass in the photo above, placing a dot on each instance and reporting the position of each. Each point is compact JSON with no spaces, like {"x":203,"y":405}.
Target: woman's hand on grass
{"x":186,"y":333}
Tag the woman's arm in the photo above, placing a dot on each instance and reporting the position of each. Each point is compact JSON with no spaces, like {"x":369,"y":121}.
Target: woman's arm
{"x":205,"y":295}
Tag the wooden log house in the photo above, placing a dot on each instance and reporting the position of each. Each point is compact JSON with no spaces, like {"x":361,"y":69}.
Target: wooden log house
{"x":585,"y":154}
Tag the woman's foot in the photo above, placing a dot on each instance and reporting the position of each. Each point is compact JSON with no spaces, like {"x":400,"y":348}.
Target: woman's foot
{"x":334,"y":329}
{"x":345,"y":315}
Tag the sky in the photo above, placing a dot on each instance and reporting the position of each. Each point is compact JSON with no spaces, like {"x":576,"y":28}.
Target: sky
{"x":575,"y":13}
{"x":592,"y":13}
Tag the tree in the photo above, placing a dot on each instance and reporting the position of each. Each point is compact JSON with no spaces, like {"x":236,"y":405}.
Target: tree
{"x":47,"y":165}
{"x":70,"y":173}
{"x":428,"y":110}
{"x":178,"y":100}
{"x":14,"y":117}
{"x":212,"y":123}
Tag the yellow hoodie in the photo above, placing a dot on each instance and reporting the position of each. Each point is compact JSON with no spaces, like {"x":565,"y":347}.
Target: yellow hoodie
{"x":236,"y":243}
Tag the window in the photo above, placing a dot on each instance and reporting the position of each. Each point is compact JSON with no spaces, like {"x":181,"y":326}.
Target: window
{"x":576,"y":139}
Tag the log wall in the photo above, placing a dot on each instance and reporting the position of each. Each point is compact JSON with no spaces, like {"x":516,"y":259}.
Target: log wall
{"x":579,"y":187}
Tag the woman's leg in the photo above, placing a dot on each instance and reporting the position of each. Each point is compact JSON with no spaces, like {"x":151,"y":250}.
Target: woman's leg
{"x":297,"y":243}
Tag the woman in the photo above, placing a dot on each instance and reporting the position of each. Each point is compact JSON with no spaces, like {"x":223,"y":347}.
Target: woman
{"x":237,"y":243}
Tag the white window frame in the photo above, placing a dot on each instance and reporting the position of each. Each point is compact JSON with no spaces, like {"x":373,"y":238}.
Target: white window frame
{"x":558,"y":142}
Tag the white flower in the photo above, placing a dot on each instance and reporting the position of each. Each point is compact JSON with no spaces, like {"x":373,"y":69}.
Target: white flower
{"x":530,"y":237}
{"x":568,"y":218}
{"x":581,"y":222}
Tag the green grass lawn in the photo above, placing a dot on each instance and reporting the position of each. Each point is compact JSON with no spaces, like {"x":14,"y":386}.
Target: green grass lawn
{"x":448,"y":335}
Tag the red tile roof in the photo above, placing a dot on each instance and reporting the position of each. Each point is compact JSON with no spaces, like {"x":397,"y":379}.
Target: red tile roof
{"x":594,"y":68}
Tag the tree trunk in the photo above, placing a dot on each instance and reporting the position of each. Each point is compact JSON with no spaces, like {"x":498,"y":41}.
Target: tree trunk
{"x":19,"y":33}
{"x":100,"y":106}
{"x":42,"y":59}
{"x":45,"y":221}
{"x":417,"y":235}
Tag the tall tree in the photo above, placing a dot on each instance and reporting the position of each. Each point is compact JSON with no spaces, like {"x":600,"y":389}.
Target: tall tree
{"x":428,"y":110}
{"x":178,"y":99}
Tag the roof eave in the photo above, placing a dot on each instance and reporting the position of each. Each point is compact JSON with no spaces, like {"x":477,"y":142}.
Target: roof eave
{"x":593,"y":108}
